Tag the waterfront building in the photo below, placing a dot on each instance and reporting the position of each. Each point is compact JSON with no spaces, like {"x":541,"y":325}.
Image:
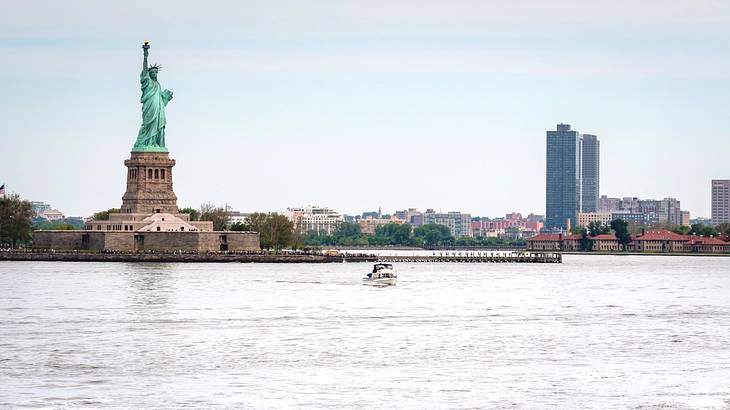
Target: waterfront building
{"x":369,"y":225}
{"x":606,"y":204}
{"x":314,"y":219}
{"x":39,"y":207}
{"x":410,"y":216}
{"x":665,"y":210}
{"x":720,"y":201}
{"x":650,"y":241}
{"x":605,"y":242}
{"x":684,"y":215}
{"x":643,"y":211}
{"x":634,"y":218}
{"x":52,"y":215}
{"x":590,"y":173}
{"x":660,"y":240}
{"x":236,"y":217}
{"x":571,"y":242}
{"x":545,"y":242}
{"x":572,"y":176}
{"x":563,"y":177}
{"x":459,"y":224}
{"x":585,"y":218}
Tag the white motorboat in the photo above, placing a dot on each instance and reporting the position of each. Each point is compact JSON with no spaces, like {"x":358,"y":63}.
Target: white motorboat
{"x":383,"y":274}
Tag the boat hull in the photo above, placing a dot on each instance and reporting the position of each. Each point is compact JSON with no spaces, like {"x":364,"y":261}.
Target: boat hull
{"x":379,"y":282}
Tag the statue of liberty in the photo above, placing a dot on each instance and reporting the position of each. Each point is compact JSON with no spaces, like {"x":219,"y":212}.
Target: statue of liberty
{"x":151,"y":137}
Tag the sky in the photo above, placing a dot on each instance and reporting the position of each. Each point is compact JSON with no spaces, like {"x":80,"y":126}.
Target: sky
{"x":357,"y":105}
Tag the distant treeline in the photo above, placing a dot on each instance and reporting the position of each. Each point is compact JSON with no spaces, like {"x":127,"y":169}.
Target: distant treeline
{"x":393,"y":234}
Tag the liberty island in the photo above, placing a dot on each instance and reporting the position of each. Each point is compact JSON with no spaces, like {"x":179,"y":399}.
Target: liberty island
{"x":149,"y":218}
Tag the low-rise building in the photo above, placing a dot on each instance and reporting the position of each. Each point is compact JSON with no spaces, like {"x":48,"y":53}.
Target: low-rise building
{"x":369,"y":225}
{"x":459,"y":224}
{"x":685,"y":218}
{"x":52,"y":215}
{"x":545,"y":242}
{"x":314,"y":219}
{"x":659,"y":241}
{"x":585,"y":218}
{"x":236,"y":217}
{"x":606,"y":242}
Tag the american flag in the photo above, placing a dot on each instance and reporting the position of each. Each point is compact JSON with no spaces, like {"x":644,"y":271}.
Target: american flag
{"x":2,"y":191}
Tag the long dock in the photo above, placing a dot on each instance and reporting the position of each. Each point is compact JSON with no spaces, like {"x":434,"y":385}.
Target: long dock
{"x":464,"y":257}
{"x":475,"y":257}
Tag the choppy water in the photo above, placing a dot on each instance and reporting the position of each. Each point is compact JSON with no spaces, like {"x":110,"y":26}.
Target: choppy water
{"x":593,"y":332}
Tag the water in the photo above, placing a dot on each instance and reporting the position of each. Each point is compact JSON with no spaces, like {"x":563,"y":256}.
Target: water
{"x":593,"y":332}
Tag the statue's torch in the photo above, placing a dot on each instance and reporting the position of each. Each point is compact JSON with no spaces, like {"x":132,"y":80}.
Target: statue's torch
{"x":146,"y":45}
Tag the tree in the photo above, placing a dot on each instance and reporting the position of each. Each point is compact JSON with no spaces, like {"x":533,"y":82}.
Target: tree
{"x":15,"y":221}
{"x":276,"y":231}
{"x":577,"y":230}
{"x":347,"y":229}
{"x":703,"y":230}
{"x":681,"y":229}
{"x":434,"y":235}
{"x":219,"y":215}
{"x":586,"y":244}
{"x":194,"y":213}
{"x":104,"y":215}
{"x":724,"y":228}
{"x":621,"y":229}
{"x":237,"y":227}
{"x":596,"y":228}
{"x":395,"y":234}
{"x":53,"y":226}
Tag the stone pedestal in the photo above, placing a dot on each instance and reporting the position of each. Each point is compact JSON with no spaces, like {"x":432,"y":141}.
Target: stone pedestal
{"x":149,"y":184}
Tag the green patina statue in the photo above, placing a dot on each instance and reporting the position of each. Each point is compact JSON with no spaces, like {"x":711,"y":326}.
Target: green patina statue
{"x":151,"y":137}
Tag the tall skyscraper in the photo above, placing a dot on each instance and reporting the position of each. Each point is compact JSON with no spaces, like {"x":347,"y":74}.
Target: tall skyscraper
{"x":590,"y":169}
{"x":572,"y":178}
{"x":720,"y":201}
{"x":563,"y":182}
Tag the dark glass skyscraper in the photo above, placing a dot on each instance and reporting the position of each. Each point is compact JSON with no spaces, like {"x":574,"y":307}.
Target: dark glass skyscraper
{"x":572,"y":179}
{"x":590,"y":172}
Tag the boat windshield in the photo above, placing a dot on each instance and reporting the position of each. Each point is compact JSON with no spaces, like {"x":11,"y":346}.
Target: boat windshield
{"x":380,"y":266}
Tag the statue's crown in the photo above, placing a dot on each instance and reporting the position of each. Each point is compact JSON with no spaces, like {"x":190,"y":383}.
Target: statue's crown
{"x":155,"y":67}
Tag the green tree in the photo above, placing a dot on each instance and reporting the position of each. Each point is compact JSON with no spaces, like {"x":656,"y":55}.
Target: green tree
{"x":15,"y":221}
{"x":576,"y":230}
{"x":53,"y":226}
{"x":621,"y":229}
{"x":596,"y":228}
{"x":703,"y":230}
{"x":237,"y":227}
{"x":194,"y":213}
{"x":681,"y":229}
{"x":104,"y":215}
{"x":219,"y":215}
{"x":347,"y":229}
{"x":434,"y":235}
{"x":395,"y":234}
{"x":724,"y":228}
{"x":276,"y":231}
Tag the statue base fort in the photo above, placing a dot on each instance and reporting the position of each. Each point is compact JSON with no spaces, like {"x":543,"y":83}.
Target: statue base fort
{"x":149,"y":219}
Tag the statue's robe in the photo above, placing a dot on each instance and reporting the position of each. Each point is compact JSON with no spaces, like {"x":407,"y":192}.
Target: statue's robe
{"x":154,"y":100}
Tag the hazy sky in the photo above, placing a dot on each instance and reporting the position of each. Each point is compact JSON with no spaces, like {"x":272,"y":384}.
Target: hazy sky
{"x":360,"y":104}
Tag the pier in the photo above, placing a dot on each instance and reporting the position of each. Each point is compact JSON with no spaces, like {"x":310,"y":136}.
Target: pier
{"x":479,"y":257}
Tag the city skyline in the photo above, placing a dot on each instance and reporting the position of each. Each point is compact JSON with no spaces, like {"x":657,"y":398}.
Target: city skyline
{"x":457,"y":98}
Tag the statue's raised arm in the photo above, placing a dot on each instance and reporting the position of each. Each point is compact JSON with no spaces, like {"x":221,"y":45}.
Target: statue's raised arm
{"x":146,"y":48}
